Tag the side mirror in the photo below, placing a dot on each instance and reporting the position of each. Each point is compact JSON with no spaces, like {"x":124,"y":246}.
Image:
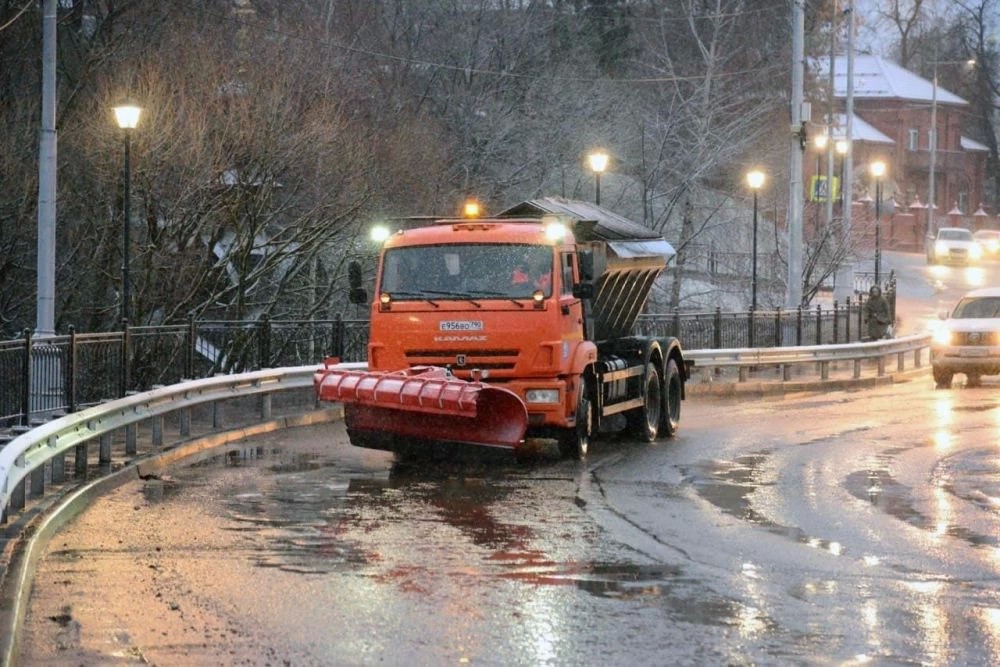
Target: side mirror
{"x":943,"y":315}
{"x":354,"y":274}
{"x":583,"y":290}
{"x":357,"y":293}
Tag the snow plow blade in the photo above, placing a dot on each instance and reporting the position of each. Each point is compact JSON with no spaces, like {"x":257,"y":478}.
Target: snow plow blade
{"x":425,"y":403}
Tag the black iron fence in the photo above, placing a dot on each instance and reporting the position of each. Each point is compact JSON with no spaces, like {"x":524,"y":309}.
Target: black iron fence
{"x":41,"y":377}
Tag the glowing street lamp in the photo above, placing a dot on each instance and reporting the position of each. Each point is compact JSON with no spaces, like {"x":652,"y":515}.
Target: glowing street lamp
{"x":127,"y":116}
{"x":598,"y":163}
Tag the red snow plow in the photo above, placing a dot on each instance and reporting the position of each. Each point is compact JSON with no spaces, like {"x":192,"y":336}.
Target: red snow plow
{"x":426,"y":403}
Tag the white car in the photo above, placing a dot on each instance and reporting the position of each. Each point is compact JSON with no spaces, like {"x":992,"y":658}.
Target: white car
{"x":968,"y":341}
{"x":989,"y":240}
{"x":953,"y":245}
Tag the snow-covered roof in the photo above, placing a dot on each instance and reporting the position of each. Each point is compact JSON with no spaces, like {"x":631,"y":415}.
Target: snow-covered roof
{"x":611,"y":226}
{"x":878,"y":78}
{"x":973,"y":145}
{"x":860,"y":130}
{"x":627,"y":238}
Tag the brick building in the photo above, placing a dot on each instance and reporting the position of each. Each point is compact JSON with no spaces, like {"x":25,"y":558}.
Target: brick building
{"x":893,"y":108}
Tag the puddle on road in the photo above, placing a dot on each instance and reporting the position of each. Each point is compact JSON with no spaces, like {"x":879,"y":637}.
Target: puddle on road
{"x":156,"y":488}
{"x":305,"y":515}
{"x":729,"y":486}
{"x":663,"y":586}
{"x":877,"y":486}
{"x":973,"y":408}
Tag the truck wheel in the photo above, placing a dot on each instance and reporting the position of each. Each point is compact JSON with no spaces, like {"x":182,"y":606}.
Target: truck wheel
{"x":973,"y":380}
{"x":942,"y":378}
{"x":670,"y":419}
{"x":574,"y":442}
{"x":644,"y":422}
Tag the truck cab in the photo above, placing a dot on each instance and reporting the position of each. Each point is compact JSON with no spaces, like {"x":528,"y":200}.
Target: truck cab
{"x":490,"y":300}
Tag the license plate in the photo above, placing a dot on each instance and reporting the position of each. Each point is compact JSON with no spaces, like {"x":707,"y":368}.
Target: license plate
{"x":972,"y":353}
{"x":462,"y":325}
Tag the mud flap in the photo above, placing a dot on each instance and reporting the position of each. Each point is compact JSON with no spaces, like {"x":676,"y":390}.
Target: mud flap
{"x":424,"y":403}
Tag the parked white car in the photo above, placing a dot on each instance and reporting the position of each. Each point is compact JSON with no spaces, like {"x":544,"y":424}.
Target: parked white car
{"x":953,"y":245}
{"x":968,"y":341}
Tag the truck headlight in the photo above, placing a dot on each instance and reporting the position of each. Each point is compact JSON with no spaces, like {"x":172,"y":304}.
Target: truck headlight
{"x":541,"y":396}
{"x":942,"y":336}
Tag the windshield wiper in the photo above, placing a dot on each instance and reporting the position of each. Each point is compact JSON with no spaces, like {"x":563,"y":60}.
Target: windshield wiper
{"x":496,"y":294}
{"x":415,"y":295}
{"x":422,"y":294}
{"x":458,"y":295}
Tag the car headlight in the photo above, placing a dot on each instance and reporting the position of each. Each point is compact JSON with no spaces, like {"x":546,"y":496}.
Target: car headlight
{"x":976,"y":252}
{"x":942,"y":336}
{"x":940,"y":248}
{"x":992,"y":245}
{"x":542,"y":396}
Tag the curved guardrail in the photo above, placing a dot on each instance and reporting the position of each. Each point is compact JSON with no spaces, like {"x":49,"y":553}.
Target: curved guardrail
{"x":823,"y":356}
{"x":27,"y":454}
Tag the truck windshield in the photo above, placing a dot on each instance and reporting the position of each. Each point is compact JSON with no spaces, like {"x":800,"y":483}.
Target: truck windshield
{"x":460,"y":271}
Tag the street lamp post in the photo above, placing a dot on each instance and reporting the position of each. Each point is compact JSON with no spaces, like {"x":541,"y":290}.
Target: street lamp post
{"x":598,"y":163}
{"x":877,"y":170}
{"x":841,"y":147}
{"x":127,"y":116}
{"x":755,"y":179}
{"x":932,"y":139}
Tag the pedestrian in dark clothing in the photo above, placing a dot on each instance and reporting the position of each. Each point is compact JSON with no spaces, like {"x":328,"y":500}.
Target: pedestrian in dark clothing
{"x":877,"y":314}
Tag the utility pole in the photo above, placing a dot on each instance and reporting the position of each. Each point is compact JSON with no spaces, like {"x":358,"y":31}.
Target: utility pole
{"x":46,"y":266}
{"x":845,"y":271}
{"x":831,"y":110}
{"x":794,"y":289}
{"x":931,"y":227}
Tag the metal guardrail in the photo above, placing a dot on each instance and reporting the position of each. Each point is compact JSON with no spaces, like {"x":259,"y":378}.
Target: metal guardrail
{"x":822,"y":356}
{"x":27,"y":454}
{"x":50,"y":375}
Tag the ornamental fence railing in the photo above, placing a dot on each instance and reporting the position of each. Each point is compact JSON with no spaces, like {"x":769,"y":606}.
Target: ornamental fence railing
{"x":41,"y":377}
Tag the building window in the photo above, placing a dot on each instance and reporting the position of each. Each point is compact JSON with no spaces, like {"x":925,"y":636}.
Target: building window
{"x":963,"y":201}
{"x":913,"y":139}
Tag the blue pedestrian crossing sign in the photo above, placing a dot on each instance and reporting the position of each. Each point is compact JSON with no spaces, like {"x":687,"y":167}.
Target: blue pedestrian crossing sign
{"x":819,"y":188}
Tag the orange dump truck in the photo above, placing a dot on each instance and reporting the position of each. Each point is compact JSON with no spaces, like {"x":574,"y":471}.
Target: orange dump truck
{"x":488,"y":331}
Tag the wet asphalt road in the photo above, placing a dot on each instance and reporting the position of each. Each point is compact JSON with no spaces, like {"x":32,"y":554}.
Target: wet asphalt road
{"x":835,"y":528}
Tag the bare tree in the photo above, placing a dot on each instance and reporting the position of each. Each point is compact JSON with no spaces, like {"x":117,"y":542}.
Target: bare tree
{"x":978,"y":22}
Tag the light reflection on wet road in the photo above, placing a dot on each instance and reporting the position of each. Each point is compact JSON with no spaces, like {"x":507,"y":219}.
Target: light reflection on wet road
{"x":835,"y":528}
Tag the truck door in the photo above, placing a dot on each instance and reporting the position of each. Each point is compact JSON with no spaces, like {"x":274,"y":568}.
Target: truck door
{"x":570,"y":307}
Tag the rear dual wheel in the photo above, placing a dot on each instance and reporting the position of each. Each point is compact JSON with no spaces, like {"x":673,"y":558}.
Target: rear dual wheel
{"x":644,"y":422}
{"x":670,"y":419}
{"x":660,"y":415}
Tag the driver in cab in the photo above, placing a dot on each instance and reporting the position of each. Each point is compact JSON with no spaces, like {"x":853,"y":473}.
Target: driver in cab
{"x":534,"y":273}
